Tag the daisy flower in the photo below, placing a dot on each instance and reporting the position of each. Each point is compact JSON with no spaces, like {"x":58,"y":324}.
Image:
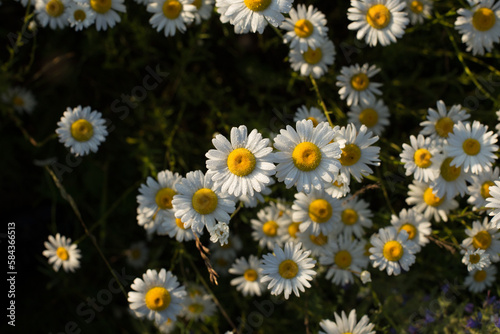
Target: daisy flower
{"x":357,"y":153}
{"x":313,"y":61}
{"x":52,"y":13}
{"x":198,"y":307}
{"x":355,"y":216}
{"x":344,"y":325}
{"x":372,"y":113}
{"x":418,"y":10}
{"x":355,"y":84}
{"x":314,"y":114}
{"x":269,"y":228}
{"x":20,"y":98}
{"x":339,"y":187}
{"x":243,"y":165}
{"x":439,"y":124}
{"x":450,"y":180}
{"x":493,"y":202}
{"x":166,"y":327}
{"x":306,"y":158}
{"x":479,"y":190}
{"x":61,"y":252}
{"x":472,"y":147}
{"x":137,"y":254}
{"x":157,"y":296}
{"x":421,"y":195}
{"x":306,"y":28}
{"x":80,"y":16}
{"x":318,"y":212}
{"x":379,"y":21}
{"x":220,"y":233}
{"x":288,"y":269}
{"x":476,"y":259}
{"x":479,"y":26}
{"x":252,"y":15}
{"x":415,"y":224}
{"x":82,"y":130}
{"x":203,"y":10}
{"x":479,"y":280}
{"x":293,"y":232}
{"x":198,"y":203}
{"x":483,"y":236}
{"x":420,"y":158}
{"x":171,"y":15}
{"x":249,"y":274}
{"x":317,"y":244}
{"x":106,"y":12}
{"x":392,"y":250}
{"x":174,"y":228}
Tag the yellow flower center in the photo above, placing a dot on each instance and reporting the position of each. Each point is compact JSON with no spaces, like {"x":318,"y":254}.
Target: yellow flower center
{"x":319,"y":240}
{"x":393,"y":251}
{"x":18,"y":101}
{"x":312,"y":56}
{"x":360,"y":81}
{"x":444,"y":126}
{"x":257,"y":5}
{"x":483,"y":19}
{"x":431,"y":199}
{"x":474,"y":258}
{"x":485,"y":189}
{"x":135,"y":253}
{"x":449,"y":173}
{"x":343,"y":259}
{"x":480,"y":275}
{"x":410,"y":229}
{"x":306,"y":156}
{"x":270,"y":228}
{"x":62,"y":253}
{"x":320,"y":211}
{"x":157,"y":298}
{"x":101,"y":6}
{"x":422,"y":158}
{"x":241,"y":162}
{"x":288,"y":269}
{"x":337,"y":184}
{"x":197,"y":4}
{"x":293,"y":228}
{"x":416,"y":6}
{"x":164,"y":198}
{"x":221,"y":262}
{"x":204,"y":201}
{"x":54,"y":8}
{"x":314,"y":120}
{"x":179,"y":223}
{"x":79,"y":15}
{"x":303,"y":28}
{"x":368,"y":117}
{"x":350,"y":155}
{"x":196,"y":308}
{"x":172,"y":9}
{"x":378,"y":16}
{"x":251,"y":275}
{"x":471,"y":146}
{"x":82,"y":130}
{"x":349,"y":216}
{"x":482,"y":240}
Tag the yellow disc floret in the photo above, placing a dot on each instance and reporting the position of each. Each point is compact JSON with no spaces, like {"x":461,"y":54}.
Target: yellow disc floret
{"x":320,"y":211}
{"x":485,"y":189}
{"x":196,"y":308}
{"x":431,"y":199}
{"x":360,"y":81}
{"x":82,"y":130}
{"x":172,"y":9}
{"x":393,"y":251}
{"x":349,"y":217}
{"x":18,"y":101}
{"x":79,"y":15}
{"x":410,"y":229}
{"x":369,"y":117}
{"x":482,"y":240}
{"x":251,"y":275}
{"x":197,"y":4}
{"x":480,"y":275}
{"x":293,"y":228}
{"x":422,"y":158}
{"x":449,"y":173}
{"x":350,"y":155}
{"x":62,"y":253}
{"x":204,"y":201}
{"x":270,"y":228}
{"x":54,"y":8}
{"x":313,"y":56}
{"x":343,"y":259}
{"x":257,"y":5}
{"x":241,"y":162}
{"x":483,"y":19}
{"x":474,"y":258}
{"x":288,"y":269}
{"x":306,"y":156}
{"x":314,"y":120}
{"x":164,"y":198}
{"x":319,"y":240}
{"x":471,"y":146}
{"x":101,"y":6}
{"x":303,"y":28}
{"x":444,"y":126}
{"x":157,"y":298}
{"x":378,"y":16}
{"x":416,"y":6}
{"x":179,"y":224}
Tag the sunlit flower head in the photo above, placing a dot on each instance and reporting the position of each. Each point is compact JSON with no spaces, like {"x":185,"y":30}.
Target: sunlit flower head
{"x":313,"y":61}
{"x":306,"y":28}
{"x":62,"y":253}
{"x":356,"y":85}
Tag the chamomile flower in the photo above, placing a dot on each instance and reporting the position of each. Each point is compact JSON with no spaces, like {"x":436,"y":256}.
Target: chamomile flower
{"x":203,"y":10}
{"x":174,"y":228}
{"x":106,"y":12}
{"x":493,"y":202}
{"x":80,"y":16}
{"x":313,"y":61}
{"x":171,"y":15}
{"x":21,"y":99}
{"x":306,"y":28}
{"x":243,"y":165}
{"x":479,"y":26}
{"x":314,"y":114}
{"x":355,"y":217}
{"x":137,"y":254}
{"x":198,"y":307}
{"x":166,"y":327}
{"x":451,"y":180}
{"x":339,"y":187}
{"x":306,"y":157}
{"x":483,"y":236}
{"x":344,"y":325}
{"x":249,"y":274}
{"x":479,"y":280}
{"x":252,"y":15}
{"x":392,"y":250}
{"x":52,"y":13}
{"x":479,"y":190}
{"x":415,"y":224}
{"x":439,"y":124}
{"x":157,"y":296}
{"x":61,"y":252}
{"x":422,"y":197}
{"x":418,"y":10}
{"x":358,"y":151}
{"x":318,"y":212}
{"x":420,"y":158}
{"x":220,"y":233}
{"x":355,"y":84}
{"x":317,"y":244}
{"x":269,"y":228}
{"x":82,"y":130}
{"x":371,"y":112}
{"x":473,"y":148}
{"x":476,"y":259}
{"x":288,"y":269}
{"x":378,"y":21}
{"x":198,"y":203}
